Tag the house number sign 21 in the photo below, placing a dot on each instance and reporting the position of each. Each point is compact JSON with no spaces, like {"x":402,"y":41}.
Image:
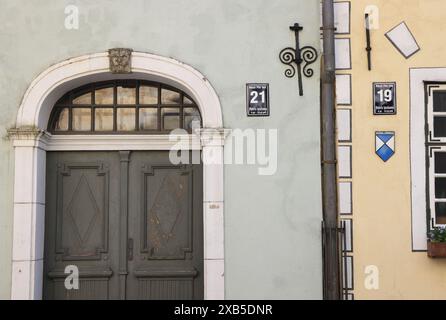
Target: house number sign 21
{"x":257,"y":100}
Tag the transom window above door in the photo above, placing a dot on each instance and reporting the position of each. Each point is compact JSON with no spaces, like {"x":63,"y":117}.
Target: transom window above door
{"x":124,"y":106}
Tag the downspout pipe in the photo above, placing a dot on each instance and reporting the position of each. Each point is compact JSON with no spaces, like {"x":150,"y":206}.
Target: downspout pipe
{"x":330,"y":235}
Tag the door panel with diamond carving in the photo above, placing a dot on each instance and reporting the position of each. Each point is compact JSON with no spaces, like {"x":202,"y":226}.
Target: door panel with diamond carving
{"x":165,"y":224}
{"x":81,"y":208}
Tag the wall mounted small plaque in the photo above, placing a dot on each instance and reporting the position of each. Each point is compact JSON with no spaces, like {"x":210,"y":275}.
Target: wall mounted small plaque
{"x":384,"y":98}
{"x":257,"y":99}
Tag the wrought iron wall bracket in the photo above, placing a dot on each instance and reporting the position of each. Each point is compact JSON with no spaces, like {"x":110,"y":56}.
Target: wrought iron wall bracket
{"x":369,"y":47}
{"x":298,"y":59}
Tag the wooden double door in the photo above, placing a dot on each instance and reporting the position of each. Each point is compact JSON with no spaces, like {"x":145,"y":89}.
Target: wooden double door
{"x":130,"y":223}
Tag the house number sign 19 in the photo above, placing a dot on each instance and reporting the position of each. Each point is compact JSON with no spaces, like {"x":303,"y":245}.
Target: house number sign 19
{"x":257,"y":100}
{"x":384,"y":98}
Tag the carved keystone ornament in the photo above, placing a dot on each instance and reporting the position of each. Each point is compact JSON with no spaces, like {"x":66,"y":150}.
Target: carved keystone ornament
{"x":120,"y":60}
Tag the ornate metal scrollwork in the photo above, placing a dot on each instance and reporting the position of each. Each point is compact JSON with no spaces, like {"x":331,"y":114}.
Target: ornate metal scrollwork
{"x":294,"y":58}
{"x":287,"y":57}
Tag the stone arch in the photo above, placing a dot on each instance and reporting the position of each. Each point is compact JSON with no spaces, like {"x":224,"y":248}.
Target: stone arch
{"x":31,"y":141}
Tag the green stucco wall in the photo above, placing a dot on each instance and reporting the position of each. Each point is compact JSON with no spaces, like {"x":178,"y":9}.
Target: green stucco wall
{"x":272,"y":223}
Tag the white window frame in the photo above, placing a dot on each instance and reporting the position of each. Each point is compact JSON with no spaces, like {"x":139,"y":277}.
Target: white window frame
{"x":434,"y":144}
{"x":418,"y":79}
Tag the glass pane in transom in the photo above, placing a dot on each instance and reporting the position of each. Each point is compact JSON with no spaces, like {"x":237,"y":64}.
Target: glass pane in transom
{"x":148,"y":119}
{"x":104,"y":96}
{"x":192,"y":119}
{"x":81,"y":119}
{"x":186,"y":100}
{"x":170,"y":118}
{"x":170,"y":97}
{"x":148,"y":95}
{"x":83,"y":99}
{"x":125,"y":119}
{"x":103,"y":119}
{"x":62,"y":120}
{"x":126,"y":95}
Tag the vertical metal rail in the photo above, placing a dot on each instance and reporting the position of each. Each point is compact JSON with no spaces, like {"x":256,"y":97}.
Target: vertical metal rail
{"x":368,"y":48}
{"x":344,"y":277}
{"x":340,"y":233}
{"x":324,"y":249}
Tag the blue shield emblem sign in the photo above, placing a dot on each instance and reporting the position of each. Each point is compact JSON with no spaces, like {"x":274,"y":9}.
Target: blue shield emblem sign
{"x":385,"y":144}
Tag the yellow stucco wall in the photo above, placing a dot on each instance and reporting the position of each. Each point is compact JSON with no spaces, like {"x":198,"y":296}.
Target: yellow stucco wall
{"x":381,"y":191}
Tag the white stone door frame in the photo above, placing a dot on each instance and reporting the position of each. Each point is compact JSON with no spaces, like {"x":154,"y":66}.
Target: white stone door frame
{"x":31,"y":141}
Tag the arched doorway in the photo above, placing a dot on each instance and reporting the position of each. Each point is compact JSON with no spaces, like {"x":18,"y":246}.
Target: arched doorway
{"x":32,"y":141}
{"x":129,"y":222}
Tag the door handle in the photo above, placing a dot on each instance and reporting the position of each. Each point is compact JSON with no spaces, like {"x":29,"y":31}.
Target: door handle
{"x":130,"y":249}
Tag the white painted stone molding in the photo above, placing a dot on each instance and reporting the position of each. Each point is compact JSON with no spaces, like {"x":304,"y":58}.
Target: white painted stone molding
{"x":345,"y":161}
{"x":344,"y":89}
{"x":344,"y":124}
{"x":343,"y":54}
{"x":345,"y":198}
{"x":342,"y":17}
{"x":35,"y":137}
{"x":213,"y":136}
{"x":69,"y":74}
{"x":29,"y":213}
{"x":212,"y":141}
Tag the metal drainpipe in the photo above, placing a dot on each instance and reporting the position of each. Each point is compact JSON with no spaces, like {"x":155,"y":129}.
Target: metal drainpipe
{"x":332,"y":279}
